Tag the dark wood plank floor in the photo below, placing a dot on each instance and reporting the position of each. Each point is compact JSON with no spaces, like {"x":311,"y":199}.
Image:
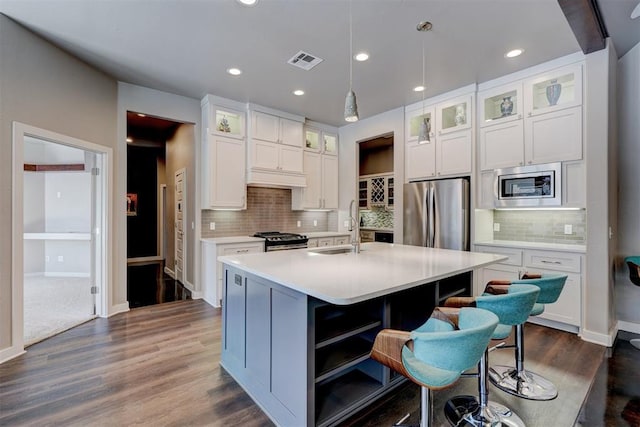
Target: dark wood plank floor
{"x":158,"y":365}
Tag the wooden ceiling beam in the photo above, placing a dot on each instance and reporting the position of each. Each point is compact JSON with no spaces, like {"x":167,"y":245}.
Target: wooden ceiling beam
{"x":586,"y":22}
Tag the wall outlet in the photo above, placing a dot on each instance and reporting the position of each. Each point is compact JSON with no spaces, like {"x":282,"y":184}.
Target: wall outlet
{"x":496,"y":226}
{"x":58,"y":195}
{"x":346,"y":223}
{"x":315,"y":222}
{"x":60,"y":258}
{"x":212,"y":226}
{"x":299,"y":224}
{"x":568,"y":229}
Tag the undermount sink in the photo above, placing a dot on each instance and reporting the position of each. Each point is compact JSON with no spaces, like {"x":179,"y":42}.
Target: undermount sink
{"x":332,"y":251}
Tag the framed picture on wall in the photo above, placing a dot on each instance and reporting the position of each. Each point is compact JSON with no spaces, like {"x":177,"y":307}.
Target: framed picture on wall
{"x":132,"y":204}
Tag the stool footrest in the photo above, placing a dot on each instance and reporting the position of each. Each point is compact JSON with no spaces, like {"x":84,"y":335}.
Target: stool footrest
{"x":466,"y":411}
{"x":525,"y":384}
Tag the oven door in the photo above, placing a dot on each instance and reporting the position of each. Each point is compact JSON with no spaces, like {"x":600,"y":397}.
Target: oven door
{"x":529,"y":186}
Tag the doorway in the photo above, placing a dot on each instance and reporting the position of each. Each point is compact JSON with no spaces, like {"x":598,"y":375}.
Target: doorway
{"x":155,"y":255}
{"x":59,"y":212}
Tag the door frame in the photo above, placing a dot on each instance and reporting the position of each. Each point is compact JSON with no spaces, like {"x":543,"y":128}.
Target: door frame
{"x":102,"y":232}
{"x":183,"y":209}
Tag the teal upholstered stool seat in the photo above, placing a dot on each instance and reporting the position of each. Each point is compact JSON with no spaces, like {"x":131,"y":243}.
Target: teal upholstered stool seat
{"x":438,"y":352}
{"x":512,"y":305}
{"x":515,"y":379}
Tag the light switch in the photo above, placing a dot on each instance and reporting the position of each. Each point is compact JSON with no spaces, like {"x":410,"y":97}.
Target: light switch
{"x":299,"y":223}
{"x":568,"y":229}
{"x":212,"y":226}
{"x":60,"y":258}
{"x":315,"y":222}
{"x":496,"y":226}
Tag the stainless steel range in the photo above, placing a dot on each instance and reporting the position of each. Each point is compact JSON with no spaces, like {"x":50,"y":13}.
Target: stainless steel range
{"x":277,"y":241}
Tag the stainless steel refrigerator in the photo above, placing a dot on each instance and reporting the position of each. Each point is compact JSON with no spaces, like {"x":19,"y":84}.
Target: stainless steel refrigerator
{"x":436,"y":214}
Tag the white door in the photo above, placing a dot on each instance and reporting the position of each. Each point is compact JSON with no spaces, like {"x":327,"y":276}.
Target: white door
{"x":179,"y":218}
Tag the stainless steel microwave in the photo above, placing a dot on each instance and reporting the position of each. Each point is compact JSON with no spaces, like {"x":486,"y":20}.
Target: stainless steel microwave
{"x":528,"y":186}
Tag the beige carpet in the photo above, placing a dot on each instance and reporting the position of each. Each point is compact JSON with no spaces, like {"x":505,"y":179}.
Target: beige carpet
{"x":55,"y":304}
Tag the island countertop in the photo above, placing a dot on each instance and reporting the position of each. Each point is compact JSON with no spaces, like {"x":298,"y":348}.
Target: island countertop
{"x":347,"y":278}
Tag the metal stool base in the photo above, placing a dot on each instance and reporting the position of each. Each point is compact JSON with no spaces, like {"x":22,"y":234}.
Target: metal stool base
{"x":525,"y":384}
{"x":635,"y":343}
{"x":465,"y":411}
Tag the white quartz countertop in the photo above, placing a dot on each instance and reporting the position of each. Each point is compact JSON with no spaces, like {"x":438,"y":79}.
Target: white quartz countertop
{"x":316,"y":234}
{"x":535,"y":245}
{"x":232,"y":239}
{"x":379,"y":269}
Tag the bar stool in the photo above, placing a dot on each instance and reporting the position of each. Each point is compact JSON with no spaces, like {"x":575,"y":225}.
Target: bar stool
{"x":516,"y":380}
{"x":512,"y":305}
{"x":633,"y":262}
{"x":435,"y":355}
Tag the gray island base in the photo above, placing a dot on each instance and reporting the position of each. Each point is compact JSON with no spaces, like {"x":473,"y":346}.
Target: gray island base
{"x":298,"y":325}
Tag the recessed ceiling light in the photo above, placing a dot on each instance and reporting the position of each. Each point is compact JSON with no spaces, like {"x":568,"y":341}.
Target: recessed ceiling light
{"x":234,"y":71}
{"x":418,"y":88}
{"x":248,"y":2}
{"x":361,"y":56}
{"x":298,"y":92}
{"x":513,"y":53}
{"x":129,"y":139}
{"x":142,"y":115}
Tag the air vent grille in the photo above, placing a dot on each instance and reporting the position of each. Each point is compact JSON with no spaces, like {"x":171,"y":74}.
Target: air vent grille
{"x":304,"y":60}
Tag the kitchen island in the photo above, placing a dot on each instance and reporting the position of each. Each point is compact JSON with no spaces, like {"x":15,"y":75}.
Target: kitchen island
{"x":298,"y":325}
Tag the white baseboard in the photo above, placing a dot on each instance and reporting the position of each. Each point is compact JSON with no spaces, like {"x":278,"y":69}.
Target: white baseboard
{"x":598,"y":338}
{"x":65,"y":274}
{"x":537,"y":320}
{"x":170,"y":273}
{"x":211,"y":303}
{"x":119,"y":308}
{"x":197,"y":295}
{"x":10,"y":353}
{"x":628,"y":327}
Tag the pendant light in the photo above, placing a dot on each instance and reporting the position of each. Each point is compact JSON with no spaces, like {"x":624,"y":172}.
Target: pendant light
{"x":425,"y":125}
{"x":350,"y":105}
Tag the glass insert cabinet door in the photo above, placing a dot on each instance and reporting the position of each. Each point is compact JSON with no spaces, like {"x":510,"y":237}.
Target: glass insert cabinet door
{"x":330,"y":143}
{"x":229,"y":122}
{"x":500,"y":104}
{"x":559,"y":89}
{"x":454,"y":115}
{"x":312,"y":139}
{"x":416,"y":119}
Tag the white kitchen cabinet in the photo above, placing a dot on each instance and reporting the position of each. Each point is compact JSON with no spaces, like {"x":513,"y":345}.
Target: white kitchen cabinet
{"x":275,"y":148}
{"x":226,"y":171}
{"x":568,"y":308}
{"x":449,"y":150}
{"x":341,"y":240}
{"x":212,"y":269}
{"x":338,"y":239}
{"x":224,"y":154}
{"x":486,"y":194}
{"x":321,"y":192}
{"x":545,"y":127}
{"x":320,"y":165}
{"x":271,"y":128}
{"x":574,"y":188}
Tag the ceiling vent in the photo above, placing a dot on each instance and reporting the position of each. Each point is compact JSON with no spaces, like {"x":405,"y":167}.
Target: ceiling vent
{"x":304,"y":60}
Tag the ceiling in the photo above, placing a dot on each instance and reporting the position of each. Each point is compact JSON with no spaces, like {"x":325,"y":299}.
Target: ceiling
{"x":186,"y":46}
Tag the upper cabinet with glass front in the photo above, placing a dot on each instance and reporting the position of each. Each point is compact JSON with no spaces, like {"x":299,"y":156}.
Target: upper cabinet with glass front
{"x":555,"y":90}
{"x":453,"y":115}
{"x":226,"y":121}
{"x":418,"y":118}
{"x":500,"y":105}
{"x":322,"y":141}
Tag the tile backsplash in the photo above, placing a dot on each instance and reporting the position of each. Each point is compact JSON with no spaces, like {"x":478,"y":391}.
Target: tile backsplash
{"x":268,"y":209}
{"x":377,"y":218}
{"x":545,"y":226}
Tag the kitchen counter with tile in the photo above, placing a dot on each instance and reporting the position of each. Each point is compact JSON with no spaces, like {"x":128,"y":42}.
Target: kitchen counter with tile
{"x":535,"y":245}
{"x":299,"y":325}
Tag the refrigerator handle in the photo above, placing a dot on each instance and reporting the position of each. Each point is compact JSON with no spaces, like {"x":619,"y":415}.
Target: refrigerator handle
{"x":431,"y":219}
{"x":423,"y":223}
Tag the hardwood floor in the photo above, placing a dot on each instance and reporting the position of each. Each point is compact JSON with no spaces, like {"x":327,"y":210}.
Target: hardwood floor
{"x":158,"y":365}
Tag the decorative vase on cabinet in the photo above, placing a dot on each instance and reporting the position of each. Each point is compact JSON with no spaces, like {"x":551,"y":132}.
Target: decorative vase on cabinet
{"x":506,"y":107}
{"x":553,"y":92}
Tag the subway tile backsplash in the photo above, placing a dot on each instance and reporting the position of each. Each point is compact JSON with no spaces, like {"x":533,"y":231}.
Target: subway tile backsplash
{"x":268,"y":209}
{"x":545,"y":226}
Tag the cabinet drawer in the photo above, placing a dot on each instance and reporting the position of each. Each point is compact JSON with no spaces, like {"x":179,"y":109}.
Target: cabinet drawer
{"x":515,"y":255}
{"x":341,"y":240}
{"x":325,"y":241}
{"x":366,"y":236}
{"x":245,"y":249}
{"x":560,"y":261}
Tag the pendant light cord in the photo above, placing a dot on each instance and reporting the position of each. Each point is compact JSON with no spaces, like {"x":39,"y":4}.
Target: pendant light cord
{"x":350,"y":46}
{"x":424,"y":88}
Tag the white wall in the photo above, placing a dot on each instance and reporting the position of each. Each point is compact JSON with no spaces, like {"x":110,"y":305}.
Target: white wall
{"x":628,"y":295}
{"x":388,"y":122}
